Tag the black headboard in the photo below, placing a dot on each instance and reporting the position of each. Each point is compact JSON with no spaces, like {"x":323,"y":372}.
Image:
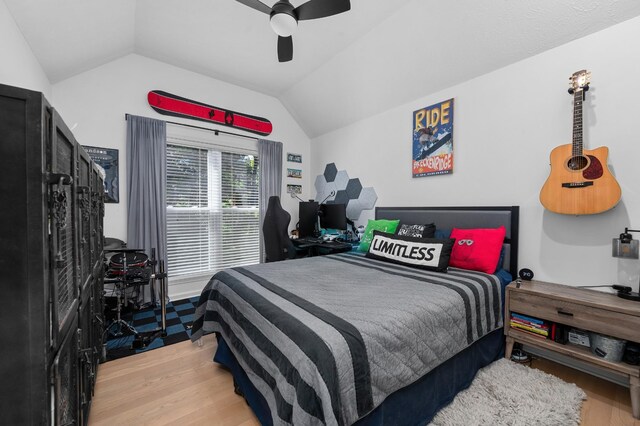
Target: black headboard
{"x":464,"y":217}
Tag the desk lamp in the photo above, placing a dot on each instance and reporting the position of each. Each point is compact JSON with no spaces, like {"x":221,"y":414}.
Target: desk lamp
{"x":626,"y":247}
{"x":294,"y":195}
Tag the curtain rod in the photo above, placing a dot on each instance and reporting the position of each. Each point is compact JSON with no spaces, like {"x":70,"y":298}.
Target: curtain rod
{"x":217,"y":132}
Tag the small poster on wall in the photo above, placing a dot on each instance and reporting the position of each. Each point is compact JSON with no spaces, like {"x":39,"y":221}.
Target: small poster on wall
{"x":107,"y":158}
{"x":294,"y":173}
{"x":294,"y":189}
{"x":294,"y":158}
{"x":433,"y":140}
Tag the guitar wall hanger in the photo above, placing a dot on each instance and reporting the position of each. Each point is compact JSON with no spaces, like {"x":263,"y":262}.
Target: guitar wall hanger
{"x":584,"y":90}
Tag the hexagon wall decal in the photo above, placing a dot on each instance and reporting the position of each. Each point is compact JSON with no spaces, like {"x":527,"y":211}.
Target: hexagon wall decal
{"x":326,"y":191}
{"x":320,"y":183}
{"x":368,"y":198}
{"x":347,"y":191}
{"x":354,"y":209}
{"x":341,"y":180}
{"x":353,"y":188}
{"x":330,"y":172}
{"x":341,"y":197}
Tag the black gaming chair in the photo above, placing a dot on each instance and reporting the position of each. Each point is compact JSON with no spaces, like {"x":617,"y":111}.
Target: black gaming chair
{"x":277,"y":245}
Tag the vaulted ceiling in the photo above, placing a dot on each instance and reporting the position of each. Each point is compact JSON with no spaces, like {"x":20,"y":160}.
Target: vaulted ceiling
{"x":346,"y":67}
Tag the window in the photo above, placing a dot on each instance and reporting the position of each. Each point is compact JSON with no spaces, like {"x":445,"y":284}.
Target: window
{"x":213,"y":215}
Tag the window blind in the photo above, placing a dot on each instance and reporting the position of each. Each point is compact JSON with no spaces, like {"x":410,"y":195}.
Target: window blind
{"x":213,"y":214}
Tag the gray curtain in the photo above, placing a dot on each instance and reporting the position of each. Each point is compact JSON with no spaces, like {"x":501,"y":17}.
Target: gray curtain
{"x":270,"y":158}
{"x":146,"y":191}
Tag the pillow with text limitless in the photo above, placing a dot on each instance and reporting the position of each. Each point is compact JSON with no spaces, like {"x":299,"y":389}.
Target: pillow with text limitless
{"x":424,"y":253}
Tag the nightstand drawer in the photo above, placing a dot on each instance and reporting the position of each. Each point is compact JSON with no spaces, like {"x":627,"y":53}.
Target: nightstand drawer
{"x":589,"y":318}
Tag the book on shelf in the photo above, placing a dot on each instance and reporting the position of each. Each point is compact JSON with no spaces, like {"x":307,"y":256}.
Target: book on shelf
{"x":528,"y":324}
{"x":543,"y":333}
{"x":530,"y":333}
{"x":556,"y":332}
{"x":527,"y":318}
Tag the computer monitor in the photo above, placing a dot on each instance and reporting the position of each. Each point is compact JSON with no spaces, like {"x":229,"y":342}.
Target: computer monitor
{"x":333,"y":216}
{"x":308,"y":218}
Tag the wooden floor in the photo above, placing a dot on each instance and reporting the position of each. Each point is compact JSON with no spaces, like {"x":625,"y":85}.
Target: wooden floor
{"x":606,"y":404}
{"x":174,"y":385}
{"x":180,"y":385}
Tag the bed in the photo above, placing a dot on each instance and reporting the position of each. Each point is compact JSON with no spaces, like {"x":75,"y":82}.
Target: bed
{"x":345,"y":339}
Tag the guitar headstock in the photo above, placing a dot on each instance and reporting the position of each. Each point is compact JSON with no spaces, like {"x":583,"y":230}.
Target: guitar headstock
{"x":579,"y":81}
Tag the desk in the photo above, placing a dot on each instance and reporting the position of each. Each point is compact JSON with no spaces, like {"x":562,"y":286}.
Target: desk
{"x":321,"y":248}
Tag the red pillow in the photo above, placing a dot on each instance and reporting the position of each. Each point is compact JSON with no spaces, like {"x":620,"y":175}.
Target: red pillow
{"x":477,"y":249}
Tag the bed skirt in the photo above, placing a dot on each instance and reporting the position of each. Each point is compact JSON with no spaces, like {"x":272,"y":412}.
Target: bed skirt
{"x":415,"y":404}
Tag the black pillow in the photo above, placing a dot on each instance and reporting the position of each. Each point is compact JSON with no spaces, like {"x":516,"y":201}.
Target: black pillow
{"x":418,"y":231}
{"x":424,"y":253}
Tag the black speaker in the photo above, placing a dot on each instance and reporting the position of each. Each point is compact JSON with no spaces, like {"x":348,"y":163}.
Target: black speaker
{"x":308,"y":214}
{"x":526,"y":274}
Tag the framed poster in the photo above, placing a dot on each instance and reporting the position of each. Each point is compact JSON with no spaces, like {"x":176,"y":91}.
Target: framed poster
{"x":294,"y":189}
{"x":294,"y":173}
{"x":294,"y":158}
{"x":107,"y":158}
{"x":433,"y":140}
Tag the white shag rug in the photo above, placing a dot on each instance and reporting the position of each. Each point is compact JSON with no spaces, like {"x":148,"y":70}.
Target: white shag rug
{"x":506,"y":393}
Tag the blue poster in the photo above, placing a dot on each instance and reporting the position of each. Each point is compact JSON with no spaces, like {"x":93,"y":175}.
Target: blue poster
{"x":107,"y":158}
{"x":433,"y":140}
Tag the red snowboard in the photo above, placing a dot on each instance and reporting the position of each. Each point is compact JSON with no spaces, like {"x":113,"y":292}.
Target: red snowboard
{"x":176,"y":106}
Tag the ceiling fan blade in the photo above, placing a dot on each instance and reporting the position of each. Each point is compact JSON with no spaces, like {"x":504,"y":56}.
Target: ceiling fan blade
{"x":314,"y":9}
{"x":285,"y":49}
{"x":257,"y":5}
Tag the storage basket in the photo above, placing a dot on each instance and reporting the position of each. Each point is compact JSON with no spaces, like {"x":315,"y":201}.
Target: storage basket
{"x":607,"y":347}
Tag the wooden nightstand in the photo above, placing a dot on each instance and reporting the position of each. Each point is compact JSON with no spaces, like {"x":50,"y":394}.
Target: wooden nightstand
{"x":586,"y":309}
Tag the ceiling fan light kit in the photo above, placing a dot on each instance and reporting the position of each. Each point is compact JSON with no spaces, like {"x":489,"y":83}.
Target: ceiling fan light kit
{"x":284,"y":25}
{"x":284,"y":18}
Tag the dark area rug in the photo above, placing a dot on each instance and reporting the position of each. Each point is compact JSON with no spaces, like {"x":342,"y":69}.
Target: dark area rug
{"x":179,"y":320}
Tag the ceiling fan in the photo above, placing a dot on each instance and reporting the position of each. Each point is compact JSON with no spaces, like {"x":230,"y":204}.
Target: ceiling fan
{"x":285,"y":17}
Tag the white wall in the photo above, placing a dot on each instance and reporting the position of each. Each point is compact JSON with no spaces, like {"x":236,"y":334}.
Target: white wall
{"x":19,"y":67}
{"x":94,"y":104}
{"x":506,"y":124}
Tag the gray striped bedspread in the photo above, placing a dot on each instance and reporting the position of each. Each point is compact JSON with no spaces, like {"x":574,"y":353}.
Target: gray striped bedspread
{"x":326,"y":339}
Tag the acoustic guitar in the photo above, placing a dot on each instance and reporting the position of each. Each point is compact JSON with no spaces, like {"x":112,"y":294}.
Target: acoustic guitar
{"x":580,"y":181}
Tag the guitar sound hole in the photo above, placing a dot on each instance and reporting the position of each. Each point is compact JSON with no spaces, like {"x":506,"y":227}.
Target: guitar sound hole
{"x":577,"y":163}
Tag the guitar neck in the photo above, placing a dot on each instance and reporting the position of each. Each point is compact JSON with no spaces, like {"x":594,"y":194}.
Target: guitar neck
{"x":578,"y":97}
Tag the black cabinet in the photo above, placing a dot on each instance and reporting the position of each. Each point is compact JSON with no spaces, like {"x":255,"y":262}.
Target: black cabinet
{"x":51,"y":212}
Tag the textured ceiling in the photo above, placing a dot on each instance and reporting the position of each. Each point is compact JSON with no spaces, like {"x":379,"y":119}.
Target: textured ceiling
{"x":346,"y":67}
